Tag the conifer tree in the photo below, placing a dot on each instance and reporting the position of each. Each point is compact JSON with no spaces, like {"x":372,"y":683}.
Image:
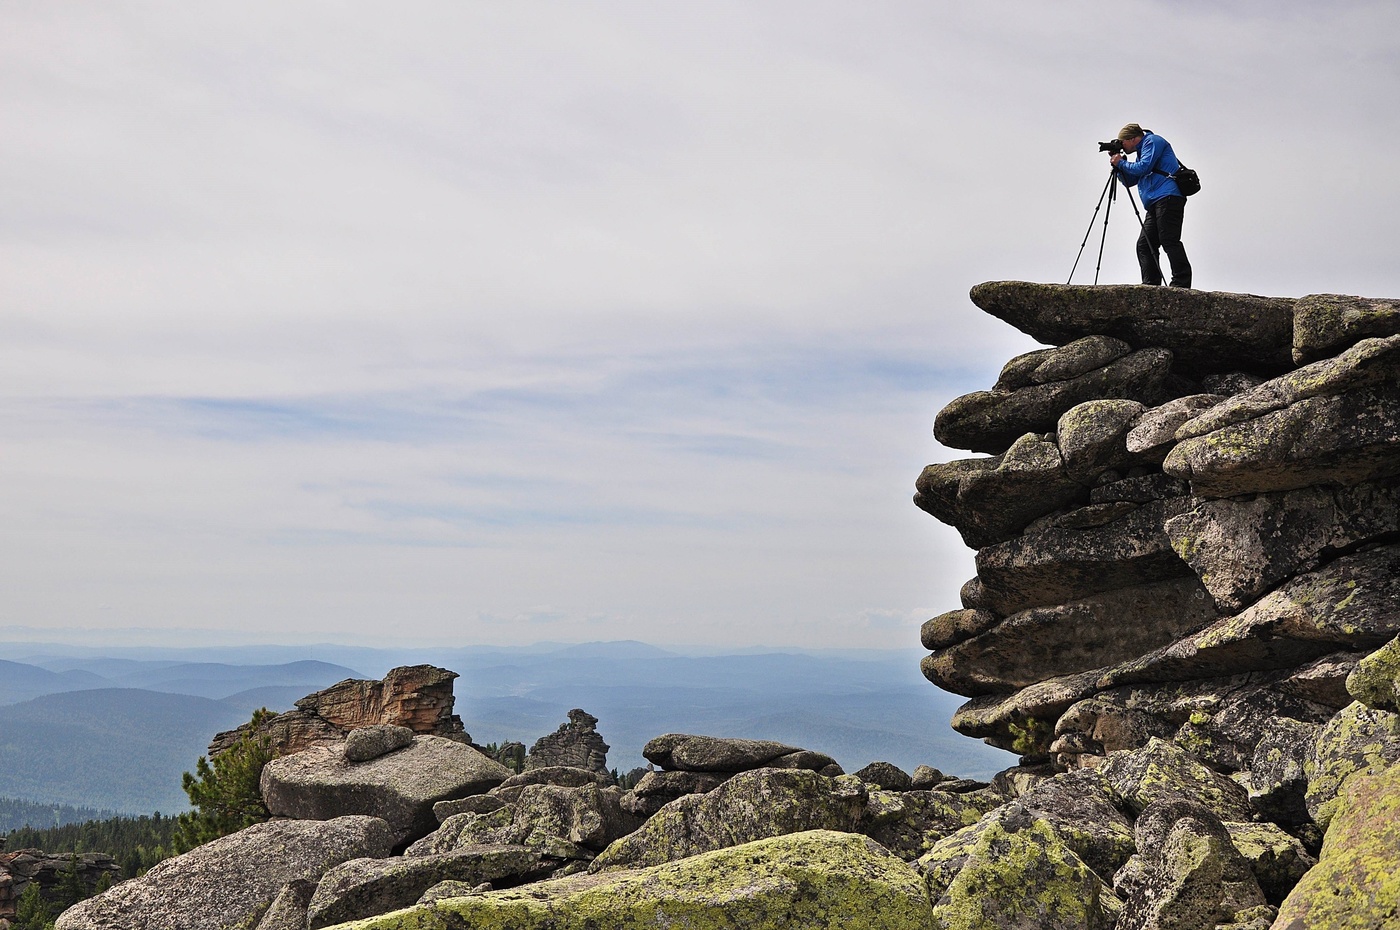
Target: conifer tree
{"x":225,"y":793}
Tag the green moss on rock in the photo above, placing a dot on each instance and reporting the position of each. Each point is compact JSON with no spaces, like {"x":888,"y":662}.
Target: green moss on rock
{"x":1376,"y":680}
{"x":806,"y":880}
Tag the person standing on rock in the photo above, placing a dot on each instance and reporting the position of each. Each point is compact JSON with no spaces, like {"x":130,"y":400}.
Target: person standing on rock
{"x":1162,"y":201}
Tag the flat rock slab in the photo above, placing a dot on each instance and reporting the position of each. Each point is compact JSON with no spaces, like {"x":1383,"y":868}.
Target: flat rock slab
{"x":1324,"y":324}
{"x":1095,"y":632}
{"x":232,"y":880}
{"x":401,"y":787}
{"x":1207,"y":331}
{"x":990,"y":421}
{"x":1068,"y":564}
{"x":814,"y":879}
{"x":685,"y":752}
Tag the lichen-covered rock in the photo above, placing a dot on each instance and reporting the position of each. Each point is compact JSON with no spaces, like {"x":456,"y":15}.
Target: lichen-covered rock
{"x":1093,"y":632}
{"x":473,"y":804}
{"x":926,"y":777}
{"x":1187,"y":872}
{"x":1324,"y":324}
{"x":232,"y":880}
{"x":1242,"y":547}
{"x":1155,"y":430}
{"x":289,"y":908}
{"x":1163,"y":771}
{"x":1356,"y":883}
{"x":371,"y":742}
{"x":816,"y":879}
{"x":1065,"y":565}
{"x":886,"y":776}
{"x":1330,"y":439}
{"x":990,"y":500}
{"x":990,"y":421}
{"x":576,"y":744}
{"x":1276,"y":858}
{"x":909,"y":823}
{"x":1209,"y":332}
{"x":657,"y":789}
{"x":712,"y":753}
{"x":1084,"y":809}
{"x":1011,"y":871}
{"x":1062,"y":363}
{"x":1376,"y":680}
{"x":1092,"y":437}
{"x":953,"y":627}
{"x":368,"y":887}
{"x":567,"y":823}
{"x":401,"y":788}
{"x":750,"y":806}
{"x":1359,"y":740}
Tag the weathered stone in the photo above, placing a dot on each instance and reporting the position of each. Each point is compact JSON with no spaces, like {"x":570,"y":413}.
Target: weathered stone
{"x":657,"y":789}
{"x":1011,"y":870}
{"x":473,"y":804}
{"x":1371,"y":363}
{"x":1083,"y":518}
{"x":1084,"y":810}
{"x":575,"y":744}
{"x":567,"y":823}
{"x":564,"y":776}
{"x":1359,"y":740}
{"x":712,"y":753}
{"x":230,"y":880}
{"x":990,"y":500}
{"x":401,"y":788}
{"x":1062,"y":363}
{"x":1162,"y":771}
{"x":1376,"y":679}
{"x":970,"y":594}
{"x":289,"y":909}
{"x":990,"y":421}
{"x":955,"y":626}
{"x":1277,"y":859}
{"x":1242,"y":548}
{"x":1340,"y":439}
{"x":1349,"y":604}
{"x":1066,"y":565}
{"x":925,"y":777}
{"x":1208,"y":332}
{"x":807,"y":759}
{"x":1325,"y":324}
{"x":371,"y":742}
{"x":1140,"y":490}
{"x":368,"y":887}
{"x":1356,"y":883}
{"x":750,"y":806}
{"x":1156,"y":429}
{"x":886,"y":776}
{"x":415,"y":696}
{"x":1275,"y":777}
{"x":1187,"y":872}
{"x":812,"y":879}
{"x":1091,"y":437}
{"x":1024,"y":722}
{"x":1230,"y":383}
{"x":1047,"y":642}
{"x":909,"y":823}
{"x":54,"y":873}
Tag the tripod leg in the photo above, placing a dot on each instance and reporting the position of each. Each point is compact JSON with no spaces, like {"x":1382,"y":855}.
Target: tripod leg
{"x":1090,"y":229}
{"x":1103,"y":236}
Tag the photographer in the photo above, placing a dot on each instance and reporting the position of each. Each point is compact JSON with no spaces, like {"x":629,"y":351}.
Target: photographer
{"x":1162,"y":201}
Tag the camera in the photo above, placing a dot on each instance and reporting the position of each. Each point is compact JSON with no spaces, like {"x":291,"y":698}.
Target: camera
{"x":1114,"y":147}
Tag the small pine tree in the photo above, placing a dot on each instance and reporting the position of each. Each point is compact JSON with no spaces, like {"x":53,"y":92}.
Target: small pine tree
{"x":226,"y":793}
{"x":71,"y":888}
{"x":32,"y":912}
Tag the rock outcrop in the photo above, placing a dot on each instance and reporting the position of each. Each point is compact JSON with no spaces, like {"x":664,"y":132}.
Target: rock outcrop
{"x":418,"y":697}
{"x":575,"y":744}
{"x":21,"y":868}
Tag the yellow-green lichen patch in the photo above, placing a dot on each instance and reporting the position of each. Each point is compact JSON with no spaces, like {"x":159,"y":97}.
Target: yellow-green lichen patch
{"x":1358,"y":740}
{"x":805,"y":880}
{"x":1375,"y":681}
{"x":1356,"y":883}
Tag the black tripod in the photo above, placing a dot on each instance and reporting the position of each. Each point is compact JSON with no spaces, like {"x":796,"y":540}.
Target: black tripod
{"x":1111,"y":191}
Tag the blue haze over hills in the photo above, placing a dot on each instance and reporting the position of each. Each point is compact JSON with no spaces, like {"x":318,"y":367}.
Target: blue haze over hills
{"x":114,"y":728}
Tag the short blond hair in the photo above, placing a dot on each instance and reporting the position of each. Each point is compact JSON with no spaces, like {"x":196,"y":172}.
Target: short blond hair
{"x":1130,"y":131}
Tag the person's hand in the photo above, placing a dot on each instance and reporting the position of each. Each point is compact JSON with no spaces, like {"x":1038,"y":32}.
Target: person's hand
{"x":1115,"y":158}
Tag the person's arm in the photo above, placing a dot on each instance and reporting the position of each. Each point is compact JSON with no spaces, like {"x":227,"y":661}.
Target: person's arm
{"x":1148,"y":156}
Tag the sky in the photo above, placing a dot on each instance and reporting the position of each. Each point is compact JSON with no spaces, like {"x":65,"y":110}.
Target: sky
{"x":484,"y":323}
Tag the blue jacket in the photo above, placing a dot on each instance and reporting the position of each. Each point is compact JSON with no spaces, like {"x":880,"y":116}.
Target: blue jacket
{"x":1153,"y":153}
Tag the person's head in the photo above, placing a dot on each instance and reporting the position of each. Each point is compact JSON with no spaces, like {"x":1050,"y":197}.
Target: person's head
{"x":1131,"y":137}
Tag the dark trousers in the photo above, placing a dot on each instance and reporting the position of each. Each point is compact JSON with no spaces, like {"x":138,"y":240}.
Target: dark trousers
{"x":1161,"y":228}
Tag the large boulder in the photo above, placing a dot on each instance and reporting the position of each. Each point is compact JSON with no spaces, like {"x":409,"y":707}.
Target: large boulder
{"x":750,"y":806}
{"x":400,"y":787}
{"x":1375,"y":681}
{"x":1324,"y":324}
{"x":909,"y":823}
{"x":233,"y":880}
{"x":367,"y":887}
{"x":657,"y":789}
{"x":684,"y":752}
{"x":1356,"y":883}
{"x":1208,"y":332}
{"x":1358,"y":740}
{"x":576,"y":744}
{"x":990,"y":421}
{"x":1012,"y":871}
{"x":807,"y":880}
{"x":1163,"y":771}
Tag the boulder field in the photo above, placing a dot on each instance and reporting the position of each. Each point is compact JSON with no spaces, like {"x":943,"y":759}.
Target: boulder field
{"x":1186,"y":512}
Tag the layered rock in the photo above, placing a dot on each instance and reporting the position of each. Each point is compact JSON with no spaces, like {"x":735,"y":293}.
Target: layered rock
{"x":575,"y":744}
{"x":418,"y":697}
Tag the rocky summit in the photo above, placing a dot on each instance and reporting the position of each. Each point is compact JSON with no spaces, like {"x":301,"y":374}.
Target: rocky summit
{"x":1186,"y":511}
